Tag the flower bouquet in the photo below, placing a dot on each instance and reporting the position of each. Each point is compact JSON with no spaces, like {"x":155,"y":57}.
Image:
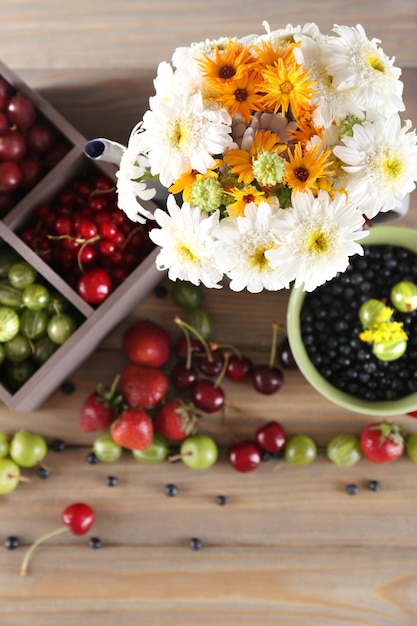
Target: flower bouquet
{"x":275,"y":150}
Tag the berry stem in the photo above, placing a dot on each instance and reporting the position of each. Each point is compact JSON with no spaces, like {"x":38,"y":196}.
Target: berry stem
{"x":222,"y":372}
{"x":276,"y":328}
{"x":35,"y":544}
{"x":182,"y":324}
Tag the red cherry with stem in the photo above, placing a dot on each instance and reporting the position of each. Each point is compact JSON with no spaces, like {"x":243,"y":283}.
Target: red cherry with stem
{"x":238,"y":368}
{"x":186,"y":345}
{"x":208,"y":395}
{"x":271,"y":436}
{"x":211,"y":364}
{"x":244,"y":456}
{"x":285,"y":355}
{"x":183,"y":377}
{"x":78,"y":518}
{"x":268,"y":379}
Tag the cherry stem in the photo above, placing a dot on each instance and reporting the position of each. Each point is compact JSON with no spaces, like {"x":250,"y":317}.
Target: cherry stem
{"x":184,"y":325}
{"x":20,"y":478}
{"x":235,"y":350}
{"x":276,"y":327}
{"x":242,"y":412}
{"x":35,"y":544}
{"x":223,"y":370}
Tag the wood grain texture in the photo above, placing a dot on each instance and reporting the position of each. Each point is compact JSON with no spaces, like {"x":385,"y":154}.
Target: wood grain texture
{"x":290,"y":547}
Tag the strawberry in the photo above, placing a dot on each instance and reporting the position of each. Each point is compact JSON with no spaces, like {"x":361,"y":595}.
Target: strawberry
{"x":147,"y":343}
{"x":100,"y":408}
{"x":133,"y":430}
{"x":175,"y":420}
{"x":143,"y":386}
{"x":382,"y":442}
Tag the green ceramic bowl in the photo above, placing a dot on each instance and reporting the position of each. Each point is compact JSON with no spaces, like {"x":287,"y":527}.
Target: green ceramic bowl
{"x":394,"y":235}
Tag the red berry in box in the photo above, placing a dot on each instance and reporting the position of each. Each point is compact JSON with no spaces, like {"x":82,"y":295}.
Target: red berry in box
{"x":41,"y":137}
{"x":95,"y":285}
{"x":12,"y":145}
{"x":143,"y":386}
{"x":10,"y":176}
{"x":146,"y":343}
{"x":21,"y":111}
{"x":133,"y":430}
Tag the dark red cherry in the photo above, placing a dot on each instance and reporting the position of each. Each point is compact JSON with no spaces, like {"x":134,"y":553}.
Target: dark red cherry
{"x":181,"y":349}
{"x":183,"y":377}
{"x":207,"y":396}
{"x":211,"y":364}
{"x":271,"y":436}
{"x":285,"y":355}
{"x":267,"y":380}
{"x":244,"y":456}
{"x":238,"y":368}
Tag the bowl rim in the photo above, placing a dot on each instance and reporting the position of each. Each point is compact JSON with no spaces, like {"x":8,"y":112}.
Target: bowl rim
{"x":378,"y":235}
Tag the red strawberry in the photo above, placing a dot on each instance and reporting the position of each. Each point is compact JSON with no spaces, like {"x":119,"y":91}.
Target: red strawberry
{"x":175,"y":420}
{"x":382,"y":442}
{"x":143,"y":386}
{"x":147,"y":343}
{"x":100,"y":408}
{"x":133,"y":430}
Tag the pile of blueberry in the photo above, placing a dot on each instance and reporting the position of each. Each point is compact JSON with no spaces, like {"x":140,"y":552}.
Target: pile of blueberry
{"x":330,"y":326}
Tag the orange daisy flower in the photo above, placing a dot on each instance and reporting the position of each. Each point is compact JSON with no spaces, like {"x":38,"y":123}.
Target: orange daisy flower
{"x":228,"y":64}
{"x":242,"y":96}
{"x":270,"y":51}
{"x":185,"y":182}
{"x":243,"y":197}
{"x":305,"y":170}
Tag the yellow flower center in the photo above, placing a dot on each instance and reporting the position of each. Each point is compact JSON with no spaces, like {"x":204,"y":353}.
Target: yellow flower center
{"x":258,"y":259}
{"x":319,"y":243}
{"x":391,"y":167}
{"x":286,"y":87}
{"x":179,"y":134}
{"x":375,"y":62}
{"x":185,"y":252}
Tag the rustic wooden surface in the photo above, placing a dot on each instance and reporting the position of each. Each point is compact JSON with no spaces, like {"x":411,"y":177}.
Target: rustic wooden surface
{"x":290,"y":547}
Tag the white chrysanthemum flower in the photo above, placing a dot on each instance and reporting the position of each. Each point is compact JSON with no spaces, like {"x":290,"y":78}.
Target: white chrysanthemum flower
{"x":357,"y":62}
{"x":333,"y":105}
{"x":187,"y":244}
{"x":241,"y":249}
{"x":133,"y":166}
{"x":381,"y":160}
{"x":165,"y":84}
{"x":182,"y":136}
{"x":316,"y":237}
{"x":183,"y":54}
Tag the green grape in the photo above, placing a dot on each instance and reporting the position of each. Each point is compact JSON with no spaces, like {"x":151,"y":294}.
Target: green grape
{"x":155,"y":453}
{"x":9,"y":323}
{"x":106,"y":449}
{"x":18,"y":348}
{"x":300,"y":450}
{"x":344,"y":450}
{"x":27,"y":448}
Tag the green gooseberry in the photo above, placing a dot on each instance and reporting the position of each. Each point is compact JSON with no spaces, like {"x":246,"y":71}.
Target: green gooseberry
{"x":344,"y":450}
{"x":411,"y":447}
{"x":389,"y":350}
{"x":372,"y":311}
{"x":155,"y":453}
{"x":300,"y":450}
{"x":404,"y":296}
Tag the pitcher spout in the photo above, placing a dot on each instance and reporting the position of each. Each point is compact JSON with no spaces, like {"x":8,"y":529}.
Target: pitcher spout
{"x":105,"y":150}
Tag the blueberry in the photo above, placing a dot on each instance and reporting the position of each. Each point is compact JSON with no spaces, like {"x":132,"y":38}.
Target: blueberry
{"x":94,"y":543}
{"x":352,"y":489}
{"x":195,"y":543}
{"x":57,"y":445}
{"x":170,"y":490}
{"x":43,"y":472}
{"x":11,"y":543}
{"x":374,"y":485}
{"x":67,"y":388}
{"x":221,"y":500}
{"x":92,"y":459}
{"x":112,"y":481}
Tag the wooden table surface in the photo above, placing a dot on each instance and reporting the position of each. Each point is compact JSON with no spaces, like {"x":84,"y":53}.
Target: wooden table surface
{"x":290,"y":547}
